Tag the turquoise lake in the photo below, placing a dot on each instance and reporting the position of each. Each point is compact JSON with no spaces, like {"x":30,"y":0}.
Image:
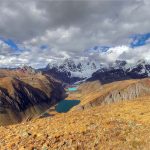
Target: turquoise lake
{"x":72,"y":89}
{"x":65,"y":105}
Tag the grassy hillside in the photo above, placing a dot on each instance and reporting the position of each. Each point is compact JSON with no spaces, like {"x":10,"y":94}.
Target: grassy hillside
{"x":93,"y":94}
{"x":123,"y":125}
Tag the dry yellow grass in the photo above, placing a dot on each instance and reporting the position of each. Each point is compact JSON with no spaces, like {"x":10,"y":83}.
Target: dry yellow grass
{"x":124,"y":125}
{"x":91,"y":91}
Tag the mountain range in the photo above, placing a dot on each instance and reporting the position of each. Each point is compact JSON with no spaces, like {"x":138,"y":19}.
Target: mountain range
{"x":71,"y":71}
{"x":26,"y":92}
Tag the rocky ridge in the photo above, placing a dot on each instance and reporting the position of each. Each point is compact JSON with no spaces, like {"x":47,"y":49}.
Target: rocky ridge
{"x":25,"y":94}
{"x":94,"y":93}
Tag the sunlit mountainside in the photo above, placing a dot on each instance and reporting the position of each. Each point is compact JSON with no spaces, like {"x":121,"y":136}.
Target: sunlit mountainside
{"x":121,"y":124}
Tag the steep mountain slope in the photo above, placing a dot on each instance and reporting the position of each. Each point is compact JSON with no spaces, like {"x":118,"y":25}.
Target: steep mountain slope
{"x":25,"y":94}
{"x":109,"y":75}
{"x":140,"y":70}
{"x":93,"y":94}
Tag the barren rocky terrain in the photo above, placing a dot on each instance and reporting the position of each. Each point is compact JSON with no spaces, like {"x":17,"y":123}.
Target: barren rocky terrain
{"x":124,"y":125}
{"x":119,"y":122}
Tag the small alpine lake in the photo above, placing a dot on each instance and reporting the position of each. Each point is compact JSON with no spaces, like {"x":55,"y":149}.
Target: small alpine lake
{"x":71,"y":89}
{"x":65,"y":105}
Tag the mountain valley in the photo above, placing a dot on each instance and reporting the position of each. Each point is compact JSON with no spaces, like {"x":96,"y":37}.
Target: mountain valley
{"x":121,"y":124}
{"x":96,"y":114}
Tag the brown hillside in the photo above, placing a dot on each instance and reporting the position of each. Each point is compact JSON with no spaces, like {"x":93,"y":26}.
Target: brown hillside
{"x":93,"y":93}
{"x":24,"y":95}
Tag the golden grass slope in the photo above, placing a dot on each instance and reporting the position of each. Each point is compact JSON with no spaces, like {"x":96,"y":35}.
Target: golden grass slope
{"x":123,"y":125}
{"x":94,"y":93}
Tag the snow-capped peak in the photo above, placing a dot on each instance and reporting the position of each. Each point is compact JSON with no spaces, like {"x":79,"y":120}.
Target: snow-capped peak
{"x":78,"y":68}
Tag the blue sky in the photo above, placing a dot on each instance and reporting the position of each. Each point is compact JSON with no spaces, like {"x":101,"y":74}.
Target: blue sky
{"x":139,"y":40}
{"x":11,"y":44}
{"x":44,"y":46}
{"x":15,"y":47}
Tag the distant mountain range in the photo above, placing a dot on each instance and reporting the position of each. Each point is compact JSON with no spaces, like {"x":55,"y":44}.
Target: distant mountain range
{"x":122,"y":71}
{"x":71,"y":71}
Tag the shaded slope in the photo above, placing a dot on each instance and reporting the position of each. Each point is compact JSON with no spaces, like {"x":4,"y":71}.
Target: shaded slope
{"x":24,"y":96}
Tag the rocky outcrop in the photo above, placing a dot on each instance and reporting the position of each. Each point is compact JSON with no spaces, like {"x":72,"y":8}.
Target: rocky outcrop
{"x":131,"y":92}
{"x":63,"y":76}
{"x":108,"y":76}
{"x":24,"y":96}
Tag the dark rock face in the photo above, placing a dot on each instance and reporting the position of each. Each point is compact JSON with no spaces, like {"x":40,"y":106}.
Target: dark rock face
{"x":107,"y":76}
{"x":26,"y":96}
{"x":120,"y":73}
{"x":139,"y":71}
{"x":64,"y":76}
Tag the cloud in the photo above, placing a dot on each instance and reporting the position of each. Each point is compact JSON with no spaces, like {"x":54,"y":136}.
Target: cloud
{"x":131,"y":55}
{"x":46,"y":30}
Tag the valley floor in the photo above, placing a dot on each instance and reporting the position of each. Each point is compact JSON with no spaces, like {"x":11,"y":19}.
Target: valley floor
{"x":123,"y":125}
